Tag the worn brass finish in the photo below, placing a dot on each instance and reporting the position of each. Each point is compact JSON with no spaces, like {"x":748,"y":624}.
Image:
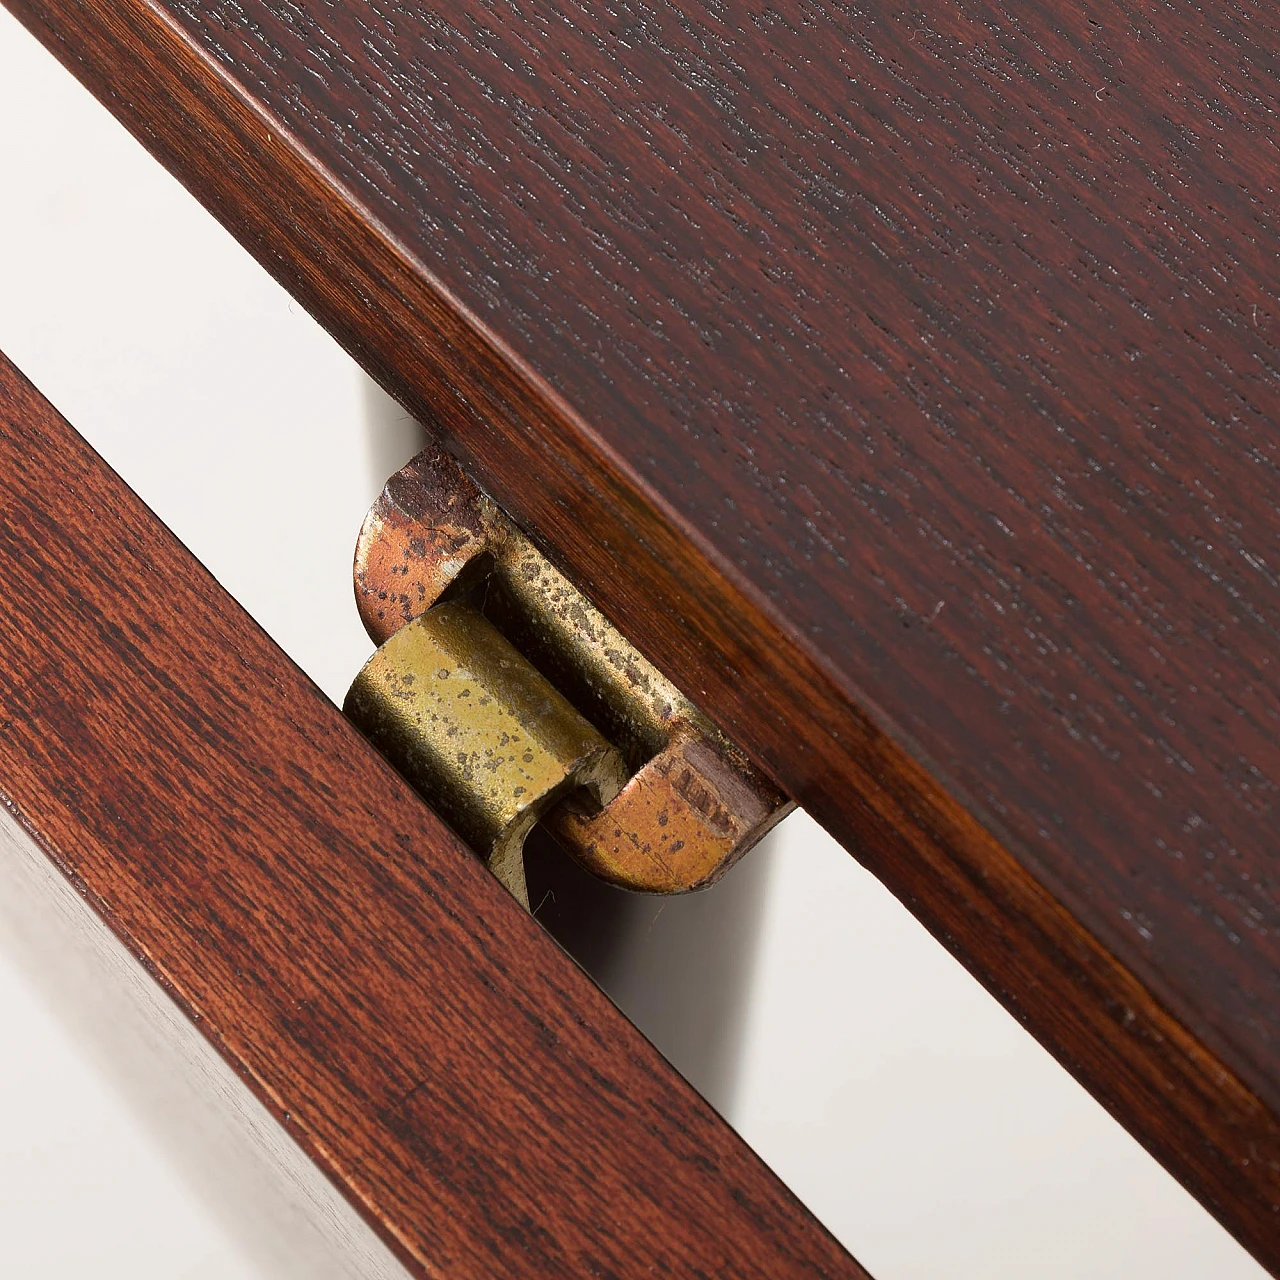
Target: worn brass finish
{"x":421,"y":533}
{"x":693,"y":803}
{"x":480,"y":733}
{"x":676,"y":825}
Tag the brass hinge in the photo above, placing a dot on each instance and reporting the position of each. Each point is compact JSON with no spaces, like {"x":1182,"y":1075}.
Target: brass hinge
{"x":506,"y":698}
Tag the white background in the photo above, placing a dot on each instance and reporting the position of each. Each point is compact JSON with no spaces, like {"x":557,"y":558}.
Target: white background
{"x":898,"y":1100}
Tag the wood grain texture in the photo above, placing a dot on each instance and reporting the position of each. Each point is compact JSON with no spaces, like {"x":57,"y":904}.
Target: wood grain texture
{"x":452,"y":1071}
{"x":903,"y":382}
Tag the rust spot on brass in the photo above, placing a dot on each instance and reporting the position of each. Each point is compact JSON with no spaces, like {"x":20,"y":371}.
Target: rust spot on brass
{"x":423,"y":530}
{"x":683,"y":820}
{"x":692,"y":803}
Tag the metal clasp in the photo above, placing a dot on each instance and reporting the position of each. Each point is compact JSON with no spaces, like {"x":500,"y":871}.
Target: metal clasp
{"x":506,"y":698}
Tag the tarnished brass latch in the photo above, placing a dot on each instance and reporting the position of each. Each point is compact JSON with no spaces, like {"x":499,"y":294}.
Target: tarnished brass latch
{"x":507,"y":698}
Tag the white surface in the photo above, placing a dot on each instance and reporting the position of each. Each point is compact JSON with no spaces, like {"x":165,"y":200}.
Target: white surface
{"x":82,"y":1191}
{"x":899,"y":1101}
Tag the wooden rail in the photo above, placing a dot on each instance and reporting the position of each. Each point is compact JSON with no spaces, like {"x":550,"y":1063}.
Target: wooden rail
{"x":420,"y":1039}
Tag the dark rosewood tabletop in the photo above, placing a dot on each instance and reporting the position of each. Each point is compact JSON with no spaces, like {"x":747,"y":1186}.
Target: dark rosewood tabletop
{"x":904,"y":380}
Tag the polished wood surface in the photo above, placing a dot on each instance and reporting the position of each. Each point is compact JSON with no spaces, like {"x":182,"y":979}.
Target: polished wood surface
{"x":903,"y":382}
{"x":455,"y":1074}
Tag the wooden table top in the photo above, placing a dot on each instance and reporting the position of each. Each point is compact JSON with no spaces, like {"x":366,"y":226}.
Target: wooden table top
{"x":903,"y":382}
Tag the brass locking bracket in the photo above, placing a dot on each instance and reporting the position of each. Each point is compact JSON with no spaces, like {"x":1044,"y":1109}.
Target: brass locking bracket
{"x":507,"y":698}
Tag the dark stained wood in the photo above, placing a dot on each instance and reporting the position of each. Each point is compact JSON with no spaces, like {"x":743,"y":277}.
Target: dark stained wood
{"x":902,"y":380}
{"x":424,"y":1041}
